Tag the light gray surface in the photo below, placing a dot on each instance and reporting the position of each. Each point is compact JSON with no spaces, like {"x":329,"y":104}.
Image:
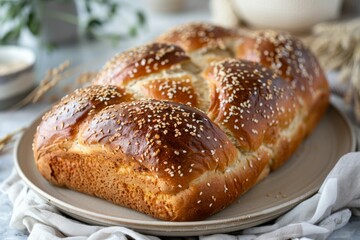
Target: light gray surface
{"x":98,"y":53}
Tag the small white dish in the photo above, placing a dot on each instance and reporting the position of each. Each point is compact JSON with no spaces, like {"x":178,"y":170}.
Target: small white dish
{"x":16,"y":74}
{"x":288,"y":15}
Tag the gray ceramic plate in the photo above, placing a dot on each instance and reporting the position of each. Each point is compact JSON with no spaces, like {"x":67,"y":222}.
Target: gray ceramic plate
{"x":298,"y":179}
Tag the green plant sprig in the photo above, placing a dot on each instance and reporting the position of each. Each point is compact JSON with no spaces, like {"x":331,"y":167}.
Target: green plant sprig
{"x":22,"y":14}
{"x":111,"y":8}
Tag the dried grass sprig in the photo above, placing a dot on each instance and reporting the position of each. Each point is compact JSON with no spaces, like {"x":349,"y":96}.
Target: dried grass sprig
{"x":337,"y":45}
{"x":4,"y":141}
{"x":53,"y":77}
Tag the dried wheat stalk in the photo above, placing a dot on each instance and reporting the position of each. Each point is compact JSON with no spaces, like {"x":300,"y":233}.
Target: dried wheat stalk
{"x":4,"y":141}
{"x":52,"y":78}
{"x":337,"y":46}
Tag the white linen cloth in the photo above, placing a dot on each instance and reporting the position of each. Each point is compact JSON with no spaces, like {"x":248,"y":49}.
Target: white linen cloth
{"x":315,"y":218}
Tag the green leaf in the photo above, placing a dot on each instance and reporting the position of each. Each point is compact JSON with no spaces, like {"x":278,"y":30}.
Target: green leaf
{"x":113,"y":9}
{"x":132,"y":31}
{"x":15,"y":10}
{"x":94,"y":22}
{"x":88,"y":6}
{"x":33,"y":24}
{"x":141,"y":18}
{"x":3,"y":3}
{"x":11,"y":35}
{"x":50,"y":47}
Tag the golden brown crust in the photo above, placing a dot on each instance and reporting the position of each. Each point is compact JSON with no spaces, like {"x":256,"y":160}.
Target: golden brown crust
{"x":163,"y":137}
{"x":62,"y":122}
{"x":251,"y":101}
{"x":160,"y":143}
{"x":194,"y":36}
{"x":172,"y":161}
{"x":177,"y":89}
{"x":94,"y":173}
{"x":289,"y":58}
{"x":138,"y":62}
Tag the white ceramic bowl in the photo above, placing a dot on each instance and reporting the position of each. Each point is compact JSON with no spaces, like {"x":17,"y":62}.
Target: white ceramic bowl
{"x":19,"y":78}
{"x":288,"y":15}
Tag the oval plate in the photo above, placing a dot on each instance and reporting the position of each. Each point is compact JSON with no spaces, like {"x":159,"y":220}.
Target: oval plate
{"x":298,"y":179}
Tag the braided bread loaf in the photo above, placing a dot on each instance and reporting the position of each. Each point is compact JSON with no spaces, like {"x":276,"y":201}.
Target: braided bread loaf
{"x":180,"y":128}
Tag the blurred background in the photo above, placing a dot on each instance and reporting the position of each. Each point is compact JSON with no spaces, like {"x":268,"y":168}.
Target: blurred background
{"x":80,"y":36}
{"x":50,"y":47}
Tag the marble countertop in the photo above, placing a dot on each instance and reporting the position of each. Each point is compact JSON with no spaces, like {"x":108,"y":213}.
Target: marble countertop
{"x":80,"y":52}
